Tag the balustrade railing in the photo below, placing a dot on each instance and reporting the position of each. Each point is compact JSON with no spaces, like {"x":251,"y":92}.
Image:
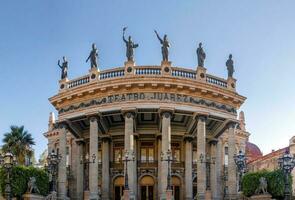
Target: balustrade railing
{"x":79,"y":81}
{"x":112,"y":74}
{"x":216,"y":81}
{"x":148,"y":70}
{"x":184,"y":73}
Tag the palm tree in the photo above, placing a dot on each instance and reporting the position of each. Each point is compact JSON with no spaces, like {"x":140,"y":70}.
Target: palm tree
{"x":19,"y":142}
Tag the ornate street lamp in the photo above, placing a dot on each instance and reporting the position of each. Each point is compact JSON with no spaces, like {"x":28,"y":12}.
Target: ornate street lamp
{"x":126,"y":160}
{"x":168,"y":159}
{"x":53,"y":160}
{"x":240,"y":161}
{"x":86,"y":161}
{"x":286,"y":164}
{"x":7,"y":161}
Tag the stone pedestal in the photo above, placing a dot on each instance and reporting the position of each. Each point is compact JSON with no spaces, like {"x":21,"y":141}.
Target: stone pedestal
{"x":261,"y":197}
{"x":166,"y":67}
{"x":201,"y":74}
{"x":128,"y":195}
{"x":231,"y":83}
{"x":167,"y":195}
{"x":33,"y":197}
{"x":93,"y":74}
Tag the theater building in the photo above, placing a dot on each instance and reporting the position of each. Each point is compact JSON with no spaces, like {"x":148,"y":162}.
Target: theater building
{"x":144,"y":113}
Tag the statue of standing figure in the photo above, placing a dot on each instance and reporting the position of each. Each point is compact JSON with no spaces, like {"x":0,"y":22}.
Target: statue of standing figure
{"x":165,"y":46}
{"x":201,"y":55}
{"x":93,"y":56}
{"x":64,"y":67}
{"x":230,"y":66}
{"x":129,"y":46}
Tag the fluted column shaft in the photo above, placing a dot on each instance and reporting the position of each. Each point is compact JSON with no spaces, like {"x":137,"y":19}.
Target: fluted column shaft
{"x":188,"y":169}
{"x":201,"y":150}
{"x":218,"y":169}
{"x":159,"y":165}
{"x":62,"y":168}
{"x":232,"y":173}
{"x":105,"y":169}
{"x":130,"y":148}
{"x":166,"y":145}
{"x":93,"y":167}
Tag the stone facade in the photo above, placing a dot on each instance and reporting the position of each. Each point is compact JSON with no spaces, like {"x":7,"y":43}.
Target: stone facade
{"x":142,"y":112}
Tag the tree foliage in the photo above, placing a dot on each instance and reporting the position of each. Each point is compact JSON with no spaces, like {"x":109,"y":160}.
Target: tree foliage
{"x":275,"y":183}
{"x":20,"y":176}
{"x":19,"y":142}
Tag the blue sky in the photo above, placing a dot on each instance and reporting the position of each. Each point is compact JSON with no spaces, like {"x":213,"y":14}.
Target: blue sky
{"x":34,"y":34}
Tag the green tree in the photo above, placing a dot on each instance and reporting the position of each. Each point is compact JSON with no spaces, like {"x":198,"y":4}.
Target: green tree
{"x":19,"y":142}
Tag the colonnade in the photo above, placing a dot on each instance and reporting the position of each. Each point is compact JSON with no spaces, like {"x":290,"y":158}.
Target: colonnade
{"x":164,"y":144}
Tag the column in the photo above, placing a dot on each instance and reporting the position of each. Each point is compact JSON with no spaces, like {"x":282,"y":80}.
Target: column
{"x":232,"y":174}
{"x":213,"y":181}
{"x":80,"y":169}
{"x":166,"y":145}
{"x":130,"y":148}
{"x":218,"y":169}
{"x":62,"y":168}
{"x":201,"y":150}
{"x":105,"y":168}
{"x":93,"y":167}
{"x":188,"y":168}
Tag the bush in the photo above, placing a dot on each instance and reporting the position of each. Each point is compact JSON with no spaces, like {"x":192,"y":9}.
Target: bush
{"x":275,"y":183}
{"x":20,"y":176}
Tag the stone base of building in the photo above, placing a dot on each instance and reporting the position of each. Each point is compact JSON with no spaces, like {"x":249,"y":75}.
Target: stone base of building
{"x":33,"y":197}
{"x":128,"y":195}
{"x":167,"y":196}
{"x":261,"y":197}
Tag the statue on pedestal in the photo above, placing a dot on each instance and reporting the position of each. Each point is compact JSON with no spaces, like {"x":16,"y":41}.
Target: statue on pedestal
{"x":129,"y":46}
{"x":262,"y":188}
{"x":165,"y":46}
{"x":32,"y":187}
{"x":93,"y":57}
{"x":201,"y":55}
{"x":64,"y":67}
{"x":230,"y":66}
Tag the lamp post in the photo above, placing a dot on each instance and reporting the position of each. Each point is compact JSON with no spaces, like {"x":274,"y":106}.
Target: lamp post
{"x":7,"y":161}
{"x":53,"y":159}
{"x":86,"y":161}
{"x":126,"y":160}
{"x":240,"y":161}
{"x":286,"y":164}
{"x":168,"y":159}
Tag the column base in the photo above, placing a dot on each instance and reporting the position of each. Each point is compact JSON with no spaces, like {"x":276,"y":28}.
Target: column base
{"x":167,"y":195}
{"x":93,"y":196}
{"x":201,"y":196}
{"x":231,"y":197}
{"x":128,"y":195}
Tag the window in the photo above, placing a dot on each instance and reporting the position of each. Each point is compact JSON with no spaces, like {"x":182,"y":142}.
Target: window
{"x":118,"y":152}
{"x":99,"y":156}
{"x":226,"y":156}
{"x":195,"y":157}
{"x":147,"y":152}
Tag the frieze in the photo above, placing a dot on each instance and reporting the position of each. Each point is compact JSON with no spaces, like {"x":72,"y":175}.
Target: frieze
{"x":155,"y":96}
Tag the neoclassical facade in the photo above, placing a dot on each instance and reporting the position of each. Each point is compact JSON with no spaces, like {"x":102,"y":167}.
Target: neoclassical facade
{"x":142,"y":112}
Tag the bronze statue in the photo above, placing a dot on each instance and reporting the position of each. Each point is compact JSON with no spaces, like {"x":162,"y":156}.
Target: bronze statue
{"x":64,"y":67}
{"x":201,"y":55}
{"x":129,"y":46}
{"x":165,"y":46}
{"x":32,"y":187}
{"x":230,"y":66}
{"x":93,"y":56}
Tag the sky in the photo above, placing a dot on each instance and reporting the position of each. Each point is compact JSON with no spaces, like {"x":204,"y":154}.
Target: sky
{"x":34,"y":34}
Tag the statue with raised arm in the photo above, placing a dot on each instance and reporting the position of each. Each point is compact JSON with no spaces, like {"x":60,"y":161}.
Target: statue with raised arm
{"x":201,"y":55}
{"x":129,"y":46}
{"x":230,"y":66}
{"x":165,"y":46}
{"x":93,"y":56}
{"x":64,"y":67}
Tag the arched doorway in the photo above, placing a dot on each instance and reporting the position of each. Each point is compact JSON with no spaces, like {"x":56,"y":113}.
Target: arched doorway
{"x":176,"y":183}
{"x":118,"y":187}
{"x":147,"y":185}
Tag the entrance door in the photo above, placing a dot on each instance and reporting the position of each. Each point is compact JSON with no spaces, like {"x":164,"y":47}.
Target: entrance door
{"x":118,"y":188}
{"x":147,"y":192}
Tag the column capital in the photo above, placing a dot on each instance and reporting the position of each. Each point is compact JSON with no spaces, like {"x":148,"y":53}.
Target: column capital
{"x":79,"y":141}
{"x":213,"y":142}
{"x":106,"y":138}
{"x":61,"y":124}
{"x":188,"y":138}
{"x":166,"y":112}
{"x":232,"y":124}
{"x":93,"y":117}
{"x":202,"y":117}
{"x":129,"y":112}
